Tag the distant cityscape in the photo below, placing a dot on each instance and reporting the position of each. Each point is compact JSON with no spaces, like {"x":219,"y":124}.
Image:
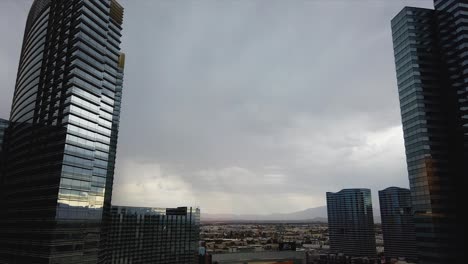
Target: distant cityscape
{"x":58,"y":153}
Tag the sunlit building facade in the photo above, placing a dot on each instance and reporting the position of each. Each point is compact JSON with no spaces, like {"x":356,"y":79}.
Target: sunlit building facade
{"x":61,"y":143}
{"x":351,"y":223}
{"x":431,"y":56}
{"x":397,"y":224}
{"x":141,"y":235}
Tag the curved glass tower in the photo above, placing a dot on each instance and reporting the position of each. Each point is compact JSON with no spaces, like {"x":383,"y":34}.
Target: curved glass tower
{"x":397,"y":224}
{"x":61,"y":143}
{"x":431,"y":58}
{"x":351,"y":223}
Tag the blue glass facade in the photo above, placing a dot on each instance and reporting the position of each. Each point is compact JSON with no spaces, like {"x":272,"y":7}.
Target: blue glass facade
{"x":431,"y":58}
{"x":351,"y":223}
{"x":61,"y":144}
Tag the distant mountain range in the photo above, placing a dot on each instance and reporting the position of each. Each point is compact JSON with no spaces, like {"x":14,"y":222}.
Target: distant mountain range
{"x":317,"y":214}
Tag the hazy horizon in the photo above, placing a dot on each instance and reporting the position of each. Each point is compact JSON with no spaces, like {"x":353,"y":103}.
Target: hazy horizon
{"x":248,"y":107}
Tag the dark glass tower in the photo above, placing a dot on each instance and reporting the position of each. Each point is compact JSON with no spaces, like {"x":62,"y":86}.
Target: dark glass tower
{"x":141,"y":235}
{"x":397,"y":223}
{"x":432,"y":71}
{"x":351,"y":223}
{"x":61,"y":144}
{"x":3,"y":127}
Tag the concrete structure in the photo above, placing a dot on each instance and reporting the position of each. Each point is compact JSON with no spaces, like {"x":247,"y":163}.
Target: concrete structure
{"x":270,"y":257}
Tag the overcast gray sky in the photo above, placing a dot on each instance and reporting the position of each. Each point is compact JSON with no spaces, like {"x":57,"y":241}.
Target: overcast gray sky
{"x":248,"y":106}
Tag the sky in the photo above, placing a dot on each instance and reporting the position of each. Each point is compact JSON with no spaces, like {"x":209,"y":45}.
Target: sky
{"x":248,"y":106}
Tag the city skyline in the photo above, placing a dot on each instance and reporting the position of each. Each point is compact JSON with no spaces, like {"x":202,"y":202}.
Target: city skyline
{"x":252,"y":134}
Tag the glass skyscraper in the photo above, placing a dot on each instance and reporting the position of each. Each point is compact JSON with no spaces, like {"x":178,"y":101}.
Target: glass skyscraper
{"x":3,"y":127}
{"x":61,"y":143}
{"x":141,"y":235}
{"x":431,"y":58}
{"x":351,"y":223}
{"x":397,"y":224}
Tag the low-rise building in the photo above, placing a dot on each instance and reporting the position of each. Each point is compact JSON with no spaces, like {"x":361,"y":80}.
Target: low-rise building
{"x":141,"y":235}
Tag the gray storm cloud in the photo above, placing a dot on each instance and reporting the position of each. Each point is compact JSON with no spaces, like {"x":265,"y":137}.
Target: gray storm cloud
{"x":249,"y":106}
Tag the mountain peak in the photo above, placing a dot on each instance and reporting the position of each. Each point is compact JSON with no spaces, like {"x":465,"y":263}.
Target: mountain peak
{"x":316,"y":213}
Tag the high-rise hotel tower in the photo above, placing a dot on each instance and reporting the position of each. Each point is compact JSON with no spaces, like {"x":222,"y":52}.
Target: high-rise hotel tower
{"x":61,"y":142}
{"x":431,"y":55}
{"x":397,"y":224}
{"x":351,"y":223}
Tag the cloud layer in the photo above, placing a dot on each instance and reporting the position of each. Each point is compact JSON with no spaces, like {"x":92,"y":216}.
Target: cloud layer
{"x":249,"y":106}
